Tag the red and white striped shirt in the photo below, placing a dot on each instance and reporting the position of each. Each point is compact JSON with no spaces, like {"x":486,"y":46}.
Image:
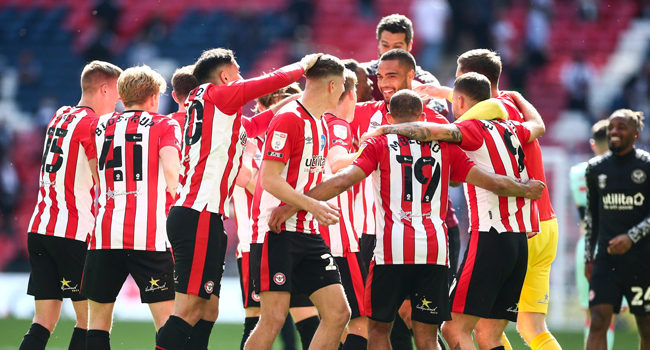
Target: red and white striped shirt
{"x":242,"y":201}
{"x":533,"y":152}
{"x":368,"y":116}
{"x":215,"y":136}
{"x":411,"y":185}
{"x":299,"y":140}
{"x":494,"y":145}
{"x":132,"y":188}
{"x":341,"y":237}
{"x":66,"y":196}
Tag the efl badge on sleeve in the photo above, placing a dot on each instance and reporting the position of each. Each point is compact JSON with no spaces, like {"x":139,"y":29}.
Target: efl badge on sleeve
{"x":278,"y":141}
{"x":340,"y":131}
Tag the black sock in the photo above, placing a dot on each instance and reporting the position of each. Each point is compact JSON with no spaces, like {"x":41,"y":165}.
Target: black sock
{"x":400,"y":335}
{"x":200,"y":336}
{"x":499,"y":348}
{"x":98,"y":340}
{"x":36,"y":338}
{"x":355,"y":342}
{"x":307,"y":328}
{"x":173,"y":335}
{"x":249,"y":325}
{"x":78,"y":340}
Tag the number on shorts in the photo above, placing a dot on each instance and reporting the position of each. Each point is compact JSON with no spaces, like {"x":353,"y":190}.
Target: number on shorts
{"x":331,"y":265}
{"x":636,"y":301}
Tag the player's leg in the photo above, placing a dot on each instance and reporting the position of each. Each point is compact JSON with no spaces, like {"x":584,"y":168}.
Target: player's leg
{"x":458,"y":331}
{"x":252,"y":316}
{"x":426,"y":336}
{"x":605,"y":295}
{"x":353,"y":277}
{"x":250,"y":298}
{"x":335,"y":314}
{"x":534,"y":300}
{"x":487,"y":333}
{"x":305,"y":317}
{"x":454,"y":251}
{"x":601,"y":316}
{"x":379,"y":335}
{"x":643,"y":327}
{"x":46,"y":316}
{"x":78,"y":339}
{"x":274,"y":310}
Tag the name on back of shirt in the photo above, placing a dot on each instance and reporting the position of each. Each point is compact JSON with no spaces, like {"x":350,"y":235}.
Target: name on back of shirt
{"x":147,"y":122}
{"x":403,"y":141}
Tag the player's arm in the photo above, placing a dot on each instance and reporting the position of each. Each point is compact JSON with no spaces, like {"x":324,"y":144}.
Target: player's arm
{"x":171,"y":164}
{"x":427,"y":91}
{"x":339,"y":158}
{"x":259,"y":123}
{"x":272,"y":181}
{"x":591,"y":221}
{"x":503,"y":185}
{"x":93,"y":170}
{"x":532,"y":119}
{"x":324,"y":191}
{"x":245,"y":175}
{"x":420,"y":131}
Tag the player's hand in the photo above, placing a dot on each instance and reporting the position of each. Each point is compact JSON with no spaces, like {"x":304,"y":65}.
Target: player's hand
{"x":620,"y":244}
{"x":535,"y":188}
{"x":279,"y":216}
{"x":310,"y":60}
{"x":377,"y":132}
{"x":325,"y":213}
{"x":427,"y":91}
{"x":588,"y":267}
{"x":531,"y":234}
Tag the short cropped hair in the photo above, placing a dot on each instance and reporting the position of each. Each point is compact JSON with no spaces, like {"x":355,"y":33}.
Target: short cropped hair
{"x":210,"y":62}
{"x":136,"y":84}
{"x":405,"y":105}
{"x":269,"y":100}
{"x":404,"y":57}
{"x":473,"y":85}
{"x":326,"y":66}
{"x":184,"y":81}
{"x":350,"y":82}
{"x":599,"y":131}
{"x":483,"y":61}
{"x":351,"y":64}
{"x":396,"y":24}
{"x":96,"y":73}
{"x":636,"y":117}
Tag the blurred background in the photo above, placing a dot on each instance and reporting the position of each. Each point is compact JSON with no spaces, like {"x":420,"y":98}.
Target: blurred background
{"x":575,"y":60}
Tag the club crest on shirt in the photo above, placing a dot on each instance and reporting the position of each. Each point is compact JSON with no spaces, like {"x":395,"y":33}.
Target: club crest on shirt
{"x":638,"y":176}
{"x":602,"y":181}
{"x":278,"y":141}
{"x":340,"y":131}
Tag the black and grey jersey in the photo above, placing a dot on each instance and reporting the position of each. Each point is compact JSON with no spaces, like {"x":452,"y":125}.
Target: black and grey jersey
{"x":618,"y":201}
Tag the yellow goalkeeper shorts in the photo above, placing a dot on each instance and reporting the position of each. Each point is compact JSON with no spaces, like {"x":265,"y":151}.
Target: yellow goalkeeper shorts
{"x":541,"y":252}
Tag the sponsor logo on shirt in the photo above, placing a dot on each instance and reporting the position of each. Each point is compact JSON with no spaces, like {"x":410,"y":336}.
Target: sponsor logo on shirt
{"x":112,"y":194}
{"x":315,"y":164}
{"x":621,"y":201}
{"x":602,"y":181}
{"x":309,"y":140}
{"x":407,"y":215}
{"x":275,"y":154}
{"x":340,"y":141}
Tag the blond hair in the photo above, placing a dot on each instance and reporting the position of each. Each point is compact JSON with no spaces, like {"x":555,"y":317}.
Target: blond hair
{"x":97,"y":73}
{"x":349,"y":84}
{"x":136,"y":84}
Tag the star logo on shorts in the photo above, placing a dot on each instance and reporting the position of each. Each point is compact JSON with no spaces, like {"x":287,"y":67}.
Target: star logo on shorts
{"x":65,"y":283}
{"x":425,"y":302}
{"x":154,"y":283}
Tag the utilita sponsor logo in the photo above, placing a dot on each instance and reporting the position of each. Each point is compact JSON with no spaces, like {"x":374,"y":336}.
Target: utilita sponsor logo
{"x":620,"y":201}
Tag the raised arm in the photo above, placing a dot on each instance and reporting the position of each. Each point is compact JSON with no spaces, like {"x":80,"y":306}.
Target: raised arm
{"x":532,"y":119}
{"x":420,"y":131}
{"x":503,"y":185}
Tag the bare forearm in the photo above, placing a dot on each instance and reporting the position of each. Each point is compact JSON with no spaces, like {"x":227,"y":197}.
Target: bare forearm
{"x":423,"y":131}
{"x":280,"y":189}
{"x":342,"y":161}
{"x":507,"y":187}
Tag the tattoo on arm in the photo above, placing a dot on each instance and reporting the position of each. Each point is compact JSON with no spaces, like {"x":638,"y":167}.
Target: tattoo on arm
{"x":416,"y":131}
{"x":452,"y":134}
{"x":457,"y":347}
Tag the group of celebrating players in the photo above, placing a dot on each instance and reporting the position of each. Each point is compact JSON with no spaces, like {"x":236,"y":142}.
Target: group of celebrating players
{"x":341,"y":202}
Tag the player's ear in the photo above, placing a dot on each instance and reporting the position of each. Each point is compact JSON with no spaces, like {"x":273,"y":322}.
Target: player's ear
{"x":175,"y":97}
{"x":411,"y":75}
{"x":330,"y":86}
{"x":390,"y":119}
{"x":423,"y":117}
{"x":409,"y":47}
{"x":592,"y":144}
{"x":223,"y":76}
{"x":104,"y":89}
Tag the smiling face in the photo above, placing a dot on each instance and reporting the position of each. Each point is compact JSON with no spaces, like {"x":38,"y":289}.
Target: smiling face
{"x":392,"y":77}
{"x":621,"y":134}
{"x":389,"y":41}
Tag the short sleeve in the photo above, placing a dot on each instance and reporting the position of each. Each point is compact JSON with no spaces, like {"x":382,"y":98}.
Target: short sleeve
{"x":523,"y":133}
{"x":472,"y":134}
{"x":172,"y":135}
{"x":459,"y":163}
{"x":87,"y":138}
{"x":283,"y":133}
{"x":370,"y":154}
{"x":340,"y":133}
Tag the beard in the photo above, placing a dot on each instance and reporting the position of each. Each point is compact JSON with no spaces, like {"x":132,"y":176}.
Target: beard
{"x":618,"y":148}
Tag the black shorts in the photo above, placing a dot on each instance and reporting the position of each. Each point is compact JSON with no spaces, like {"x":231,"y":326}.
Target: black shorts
{"x":248,"y":296}
{"x":426,"y":285}
{"x":199,"y":244}
{"x":295,"y":262}
{"x":367,"y":247}
{"x":255,"y":258}
{"x":57,"y":267}
{"x":353,"y":278}
{"x":489,"y":281}
{"x":106,"y":271}
{"x":611,"y":279}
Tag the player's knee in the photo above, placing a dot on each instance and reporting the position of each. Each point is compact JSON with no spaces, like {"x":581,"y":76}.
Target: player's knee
{"x":643,"y":325}
{"x":340,"y":316}
{"x":599,"y":322}
{"x":378,"y":329}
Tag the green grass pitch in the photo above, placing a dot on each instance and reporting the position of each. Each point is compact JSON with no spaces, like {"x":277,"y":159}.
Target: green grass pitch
{"x":140,"y":336}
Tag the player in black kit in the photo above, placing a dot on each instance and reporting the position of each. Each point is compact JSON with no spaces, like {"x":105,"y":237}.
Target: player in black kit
{"x":617,"y":220}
